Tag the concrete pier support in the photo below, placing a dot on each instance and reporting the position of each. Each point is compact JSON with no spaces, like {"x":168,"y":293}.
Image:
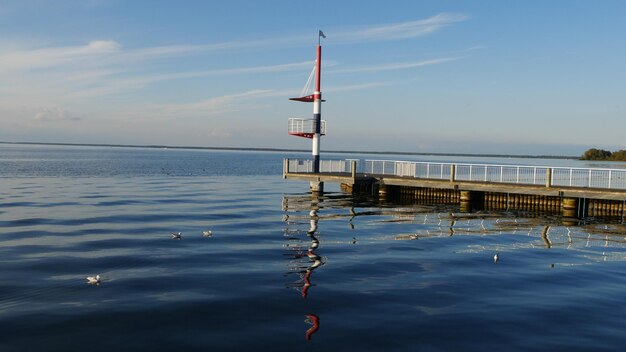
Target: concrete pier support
{"x":383,"y":191}
{"x":569,"y":207}
{"x":466,"y":201}
{"x":317,"y":186}
{"x":472,"y":200}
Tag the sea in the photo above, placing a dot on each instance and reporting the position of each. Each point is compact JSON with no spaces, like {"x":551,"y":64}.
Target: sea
{"x":283,"y":269}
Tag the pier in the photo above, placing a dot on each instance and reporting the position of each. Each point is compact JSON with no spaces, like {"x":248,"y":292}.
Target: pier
{"x":570,"y":192}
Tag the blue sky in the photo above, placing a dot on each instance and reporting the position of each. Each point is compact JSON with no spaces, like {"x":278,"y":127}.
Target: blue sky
{"x":521,"y":77}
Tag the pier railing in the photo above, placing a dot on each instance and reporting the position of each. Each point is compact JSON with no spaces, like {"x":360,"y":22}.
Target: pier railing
{"x":440,"y":171}
{"x":511,"y":174}
{"x":507,"y":174}
{"x":326,"y":166}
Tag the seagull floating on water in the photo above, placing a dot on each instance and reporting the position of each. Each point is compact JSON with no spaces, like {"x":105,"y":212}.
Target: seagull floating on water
{"x":208,"y":233}
{"x":176,"y":235}
{"x":496,"y":258}
{"x":93,"y":280}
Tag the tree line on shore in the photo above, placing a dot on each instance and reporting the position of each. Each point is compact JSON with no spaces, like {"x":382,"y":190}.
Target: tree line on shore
{"x":601,"y":154}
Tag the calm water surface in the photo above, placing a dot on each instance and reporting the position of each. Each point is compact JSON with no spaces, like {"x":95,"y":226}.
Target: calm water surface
{"x":283,"y":270}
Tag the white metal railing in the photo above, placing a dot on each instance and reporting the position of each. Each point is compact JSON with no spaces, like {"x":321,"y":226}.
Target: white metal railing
{"x":334,"y":166}
{"x":589,"y":178}
{"x":304,"y":126}
{"x":439,"y":171}
{"x":527,"y":175}
{"x":516,"y":174}
{"x":512,"y":174}
{"x":326,"y":166}
{"x":299,"y":166}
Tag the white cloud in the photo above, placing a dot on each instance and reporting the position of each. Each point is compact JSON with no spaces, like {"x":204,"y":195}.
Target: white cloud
{"x":355,"y":87}
{"x":26,"y":60}
{"x":399,"y":30}
{"x":110,"y":53}
{"x":111,"y":85}
{"x":107,"y":83}
{"x":393,"y":66}
{"x":73,"y":75}
{"x":229,"y":103}
{"x":206,"y":107}
{"x":53,"y":115}
{"x":219,"y":133}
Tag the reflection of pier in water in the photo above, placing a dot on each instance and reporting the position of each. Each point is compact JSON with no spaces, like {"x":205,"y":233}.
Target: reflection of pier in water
{"x":595,"y":241}
{"x":548,"y":240}
{"x":605,"y":242}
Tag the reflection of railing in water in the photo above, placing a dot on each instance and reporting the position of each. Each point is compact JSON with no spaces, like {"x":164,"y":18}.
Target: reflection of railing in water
{"x":610,"y":237}
{"x":594,"y":241}
{"x":553,"y":235}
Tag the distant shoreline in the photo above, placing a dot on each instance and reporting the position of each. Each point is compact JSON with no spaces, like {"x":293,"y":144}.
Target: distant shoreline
{"x":295,"y":150}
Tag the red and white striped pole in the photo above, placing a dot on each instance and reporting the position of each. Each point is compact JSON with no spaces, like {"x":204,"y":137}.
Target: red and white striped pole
{"x":317,"y":106}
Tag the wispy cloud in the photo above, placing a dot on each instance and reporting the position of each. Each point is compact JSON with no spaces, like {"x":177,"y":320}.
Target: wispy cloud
{"x":110,"y":52}
{"x":228,"y":103}
{"x":53,"y":115}
{"x":227,"y":71}
{"x":393,"y":66}
{"x":109,"y":83}
{"x":216,"y":104}
{"x":352,"y":87}
{"x":206,"y":107}
{"x":56,"y":56}
{"x":398,"y":30}
{"x":69,"y":73}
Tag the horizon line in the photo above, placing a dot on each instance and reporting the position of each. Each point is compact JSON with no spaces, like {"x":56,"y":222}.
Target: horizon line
{"x":266,"y":149}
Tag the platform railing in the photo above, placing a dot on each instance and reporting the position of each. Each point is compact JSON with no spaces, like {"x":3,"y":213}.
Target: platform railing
{"x":589,"y":178}
{"x":326,"y":166}
{"x":511,"y":174}
{"x":304,"y":126}
{"x":527,"y":175}
{"x":508,"y":174}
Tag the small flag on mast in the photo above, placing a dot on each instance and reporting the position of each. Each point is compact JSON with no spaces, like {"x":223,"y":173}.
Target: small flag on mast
{"x":322,"y":34}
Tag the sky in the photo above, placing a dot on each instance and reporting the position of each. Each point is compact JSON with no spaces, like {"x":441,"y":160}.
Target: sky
{"x":514,"y":77}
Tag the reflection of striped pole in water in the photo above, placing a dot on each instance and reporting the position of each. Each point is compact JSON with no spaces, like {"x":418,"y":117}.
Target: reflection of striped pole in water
{"x":314,"y":320}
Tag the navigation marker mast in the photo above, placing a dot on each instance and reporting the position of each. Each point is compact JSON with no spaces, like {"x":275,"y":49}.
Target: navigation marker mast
{"x":316,"y":127}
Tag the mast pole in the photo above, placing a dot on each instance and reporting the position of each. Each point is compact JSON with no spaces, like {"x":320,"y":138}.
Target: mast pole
{"x":317,"y":107}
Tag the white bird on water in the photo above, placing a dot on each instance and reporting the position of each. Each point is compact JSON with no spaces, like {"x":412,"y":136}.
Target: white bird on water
{"x":496,"y":258}
{"x":93,"y":280}
{"x":176,"y":235}
{"x":208,"y":233}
